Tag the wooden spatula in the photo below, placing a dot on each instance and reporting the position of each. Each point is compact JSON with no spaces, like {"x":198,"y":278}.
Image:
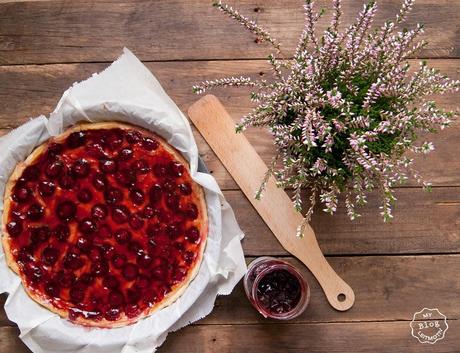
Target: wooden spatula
{"x":275,"y":207}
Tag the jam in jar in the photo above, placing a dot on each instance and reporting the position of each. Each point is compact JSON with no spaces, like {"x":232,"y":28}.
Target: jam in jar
{"x":276,"y":289}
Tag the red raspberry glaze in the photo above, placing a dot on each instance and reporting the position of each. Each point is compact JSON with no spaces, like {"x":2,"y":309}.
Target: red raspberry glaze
{"x":104,"y":224}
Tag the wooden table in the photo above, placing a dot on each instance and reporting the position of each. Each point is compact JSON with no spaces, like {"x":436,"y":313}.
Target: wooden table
{"x":395,"y":269}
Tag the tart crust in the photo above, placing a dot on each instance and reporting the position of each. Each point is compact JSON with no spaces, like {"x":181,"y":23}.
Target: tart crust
{"x":177,"y":290}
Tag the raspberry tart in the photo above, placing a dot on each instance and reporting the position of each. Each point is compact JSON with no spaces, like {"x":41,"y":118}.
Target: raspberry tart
{"x":104,"y":224}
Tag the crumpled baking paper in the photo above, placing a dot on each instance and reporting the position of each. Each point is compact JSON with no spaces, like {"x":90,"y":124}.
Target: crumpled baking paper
{"x":126,"y":91}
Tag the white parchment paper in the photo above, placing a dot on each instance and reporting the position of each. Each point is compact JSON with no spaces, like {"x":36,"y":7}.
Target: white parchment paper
{"x":125,"y":91}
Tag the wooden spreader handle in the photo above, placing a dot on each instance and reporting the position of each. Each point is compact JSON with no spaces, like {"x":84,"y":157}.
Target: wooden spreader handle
{"x":275,"y":207}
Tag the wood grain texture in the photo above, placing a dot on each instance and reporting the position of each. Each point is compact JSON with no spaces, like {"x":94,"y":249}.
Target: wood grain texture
{"x":388,"y":337}
{"x":28,"y":91}
{"x":367,"y":337}
{"x":65,"y":31}
{"x":9,"y":1}
{"x":390,"y":288}
{"x":423,"y":223}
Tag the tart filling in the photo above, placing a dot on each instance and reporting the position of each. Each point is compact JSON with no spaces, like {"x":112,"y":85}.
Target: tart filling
{"x":104,"y":224}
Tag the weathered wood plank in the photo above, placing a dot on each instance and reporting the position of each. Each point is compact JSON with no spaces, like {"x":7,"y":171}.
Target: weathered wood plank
{"x":387,"y":288}
{"x":388,"y":337}
{"x":385,"y":337}
{"x":423,"y":223}
{"x":371,"y":337}
{"x":10,"y":342}
{"x":5,"y":1}
{"x":27,"y":91}
{"x":65,"y":31}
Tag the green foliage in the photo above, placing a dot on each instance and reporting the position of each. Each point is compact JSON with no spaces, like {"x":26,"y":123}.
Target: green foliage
{"x":384,"y":143}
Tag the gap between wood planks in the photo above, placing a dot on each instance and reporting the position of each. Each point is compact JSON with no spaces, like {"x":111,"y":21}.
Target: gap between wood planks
{"x":290,"y":323}
{"x":352,"y":321}
{"x":370,"y":255}
{"x":263,"y":59}
{"x":287,"y":323}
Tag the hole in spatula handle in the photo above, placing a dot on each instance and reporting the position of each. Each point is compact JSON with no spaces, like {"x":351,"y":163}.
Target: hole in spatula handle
{"x":341,"y":297}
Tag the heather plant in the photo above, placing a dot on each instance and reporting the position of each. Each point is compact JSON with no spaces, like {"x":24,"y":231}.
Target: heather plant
{"x":344,"y":110}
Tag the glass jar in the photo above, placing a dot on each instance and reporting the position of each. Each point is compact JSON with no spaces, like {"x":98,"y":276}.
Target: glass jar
{"x":276,"y":288}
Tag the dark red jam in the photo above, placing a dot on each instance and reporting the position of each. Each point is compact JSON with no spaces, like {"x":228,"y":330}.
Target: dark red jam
{"x":276,"y":288}
{"x":278,"y":292}
{"x":104,"y":224}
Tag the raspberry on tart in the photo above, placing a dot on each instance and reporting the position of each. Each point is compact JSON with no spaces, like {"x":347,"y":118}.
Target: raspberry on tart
{"x":104,"y":224}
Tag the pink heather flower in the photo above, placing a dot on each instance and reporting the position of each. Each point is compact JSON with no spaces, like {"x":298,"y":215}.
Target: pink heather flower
{"x":345,"y":109}
{"x":334,"y":98}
